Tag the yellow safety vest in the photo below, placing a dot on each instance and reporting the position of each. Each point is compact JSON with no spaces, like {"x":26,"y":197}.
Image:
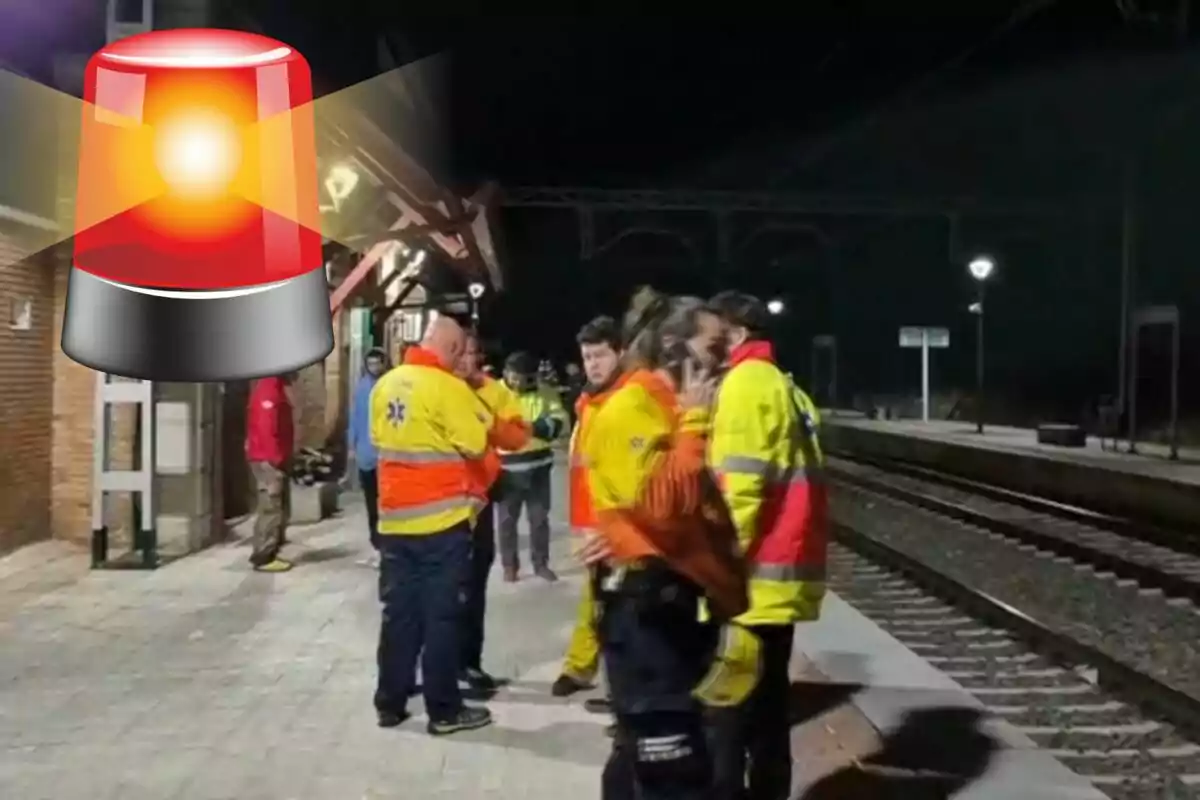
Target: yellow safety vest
{"x":533,"y":405}
{"x":766,"y":454}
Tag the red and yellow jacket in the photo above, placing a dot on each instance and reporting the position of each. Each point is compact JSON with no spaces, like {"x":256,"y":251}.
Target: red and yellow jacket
{"x":765,"y":451}
{"x":653,"y":495}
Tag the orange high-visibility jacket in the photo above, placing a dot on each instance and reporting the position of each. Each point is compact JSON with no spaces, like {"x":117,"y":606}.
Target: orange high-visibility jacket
{"x":653,"y":495}
{"x":432,"y":434}
{"x":765,"y":451}
{"x":581,"y":515}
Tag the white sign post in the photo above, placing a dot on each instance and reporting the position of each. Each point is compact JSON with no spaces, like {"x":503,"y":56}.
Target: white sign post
{"x":924,"y":338}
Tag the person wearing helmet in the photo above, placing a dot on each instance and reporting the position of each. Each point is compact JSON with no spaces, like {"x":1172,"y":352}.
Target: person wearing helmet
{"x":525,"y":477}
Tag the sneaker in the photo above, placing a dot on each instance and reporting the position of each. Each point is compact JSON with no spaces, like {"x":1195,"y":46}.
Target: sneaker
{"x":510,"y":575}
{"x":391,"y":719}
{"x":598,"y":705}
{"x":566,"y":685}
{"x":468,"y":719}
{"x":477,"y":679}
{"x":274,"y":565}
{"x":546,"y":574}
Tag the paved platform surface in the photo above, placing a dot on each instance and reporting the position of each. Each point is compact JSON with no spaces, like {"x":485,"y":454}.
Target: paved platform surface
{"x":204,"y":680}
{"x":1151,"y":461}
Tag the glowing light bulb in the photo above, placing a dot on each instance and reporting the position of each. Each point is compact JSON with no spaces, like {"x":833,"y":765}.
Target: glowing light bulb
{"x":198,"y":156}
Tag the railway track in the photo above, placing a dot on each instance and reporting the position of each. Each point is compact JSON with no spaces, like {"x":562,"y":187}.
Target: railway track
{"x":1156,"y":558}
{"x":1132,"y":734}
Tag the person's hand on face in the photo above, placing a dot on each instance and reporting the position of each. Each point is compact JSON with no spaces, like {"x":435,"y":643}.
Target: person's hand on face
{"x":697,"y":388}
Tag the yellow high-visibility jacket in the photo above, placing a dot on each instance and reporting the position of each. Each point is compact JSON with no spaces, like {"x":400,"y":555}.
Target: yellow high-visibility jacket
{"x":534,"y":404}
{"x":500,"y":399}
{"x":432,"y":433}
{"x":765,"y":451}
{"x":652,"y":493}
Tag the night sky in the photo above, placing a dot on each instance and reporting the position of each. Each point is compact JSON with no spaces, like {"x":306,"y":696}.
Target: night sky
{"x":1014,"y":102}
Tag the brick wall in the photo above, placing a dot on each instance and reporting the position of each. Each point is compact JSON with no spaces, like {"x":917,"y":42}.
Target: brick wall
{"x":25,"y":386}
{"x":73,"y":393}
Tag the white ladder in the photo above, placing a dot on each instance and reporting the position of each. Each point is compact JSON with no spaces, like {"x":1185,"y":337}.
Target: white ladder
{"x":138,"y":482}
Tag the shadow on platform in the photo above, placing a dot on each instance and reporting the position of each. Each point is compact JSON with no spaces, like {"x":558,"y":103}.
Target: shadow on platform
{"x":934,"y":754}
{"x":810,"y":699}
{"x":321,"y":555}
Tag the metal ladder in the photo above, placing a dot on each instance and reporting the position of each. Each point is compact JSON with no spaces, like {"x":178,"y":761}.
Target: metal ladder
{"x":139,"y":482}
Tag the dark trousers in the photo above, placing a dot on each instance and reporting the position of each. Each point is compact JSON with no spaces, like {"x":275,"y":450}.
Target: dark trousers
{"x":751,"y":744}
{"x":653,"y":660}
{"x":529,"y":490}
{"x":369,"y":480}
{"x":474,"y":592}
{"x":420,"y":578}
{"x":657,"y":756}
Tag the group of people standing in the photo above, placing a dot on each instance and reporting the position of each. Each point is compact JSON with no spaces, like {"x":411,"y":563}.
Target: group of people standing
{"x":700,"y":511}
{"x":697,"y":493}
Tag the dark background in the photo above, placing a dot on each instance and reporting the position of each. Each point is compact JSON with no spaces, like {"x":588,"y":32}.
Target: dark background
{"x":1047,"y":103}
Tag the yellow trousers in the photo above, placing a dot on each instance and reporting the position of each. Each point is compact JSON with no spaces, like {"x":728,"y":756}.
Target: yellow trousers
{"x":582,"y":660}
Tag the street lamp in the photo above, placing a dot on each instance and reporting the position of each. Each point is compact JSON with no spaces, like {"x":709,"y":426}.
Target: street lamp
{"x":475,"y":290}
{"x":981,"y":268}
{"x":775,"y":307}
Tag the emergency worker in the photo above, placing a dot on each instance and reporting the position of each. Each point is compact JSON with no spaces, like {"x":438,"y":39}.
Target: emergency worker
{"x":510,"y":431}
{"x":270,"y":440}
{"x":663,"y":544}
{"x":525,"y":479}
{"x":765,"y":452}
{"x":600,"y":350}
{"x":432,"y":433}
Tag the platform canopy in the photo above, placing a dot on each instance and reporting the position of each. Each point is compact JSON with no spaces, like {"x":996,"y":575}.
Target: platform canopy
{"x":374,"y":193}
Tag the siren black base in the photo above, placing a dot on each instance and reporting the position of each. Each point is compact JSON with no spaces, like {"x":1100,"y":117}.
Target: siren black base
{"x":268,"y":330}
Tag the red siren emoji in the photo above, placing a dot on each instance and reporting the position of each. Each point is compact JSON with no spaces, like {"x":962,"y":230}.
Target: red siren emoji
{"x":197,"y":235}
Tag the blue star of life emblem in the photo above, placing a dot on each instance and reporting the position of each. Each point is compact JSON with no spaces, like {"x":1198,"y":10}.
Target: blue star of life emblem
{"x":395,"y":412}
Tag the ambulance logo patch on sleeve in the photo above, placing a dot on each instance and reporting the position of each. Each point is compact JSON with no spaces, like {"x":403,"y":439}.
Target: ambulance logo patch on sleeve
{"x":637,"y":443}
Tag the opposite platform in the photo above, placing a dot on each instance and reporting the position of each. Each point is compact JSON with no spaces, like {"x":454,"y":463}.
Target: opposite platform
{"x":1137,"y":486}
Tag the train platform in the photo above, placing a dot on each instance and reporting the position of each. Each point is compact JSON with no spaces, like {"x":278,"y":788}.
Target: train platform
{"x":1144,"y":485}
{"x":204,"y":680}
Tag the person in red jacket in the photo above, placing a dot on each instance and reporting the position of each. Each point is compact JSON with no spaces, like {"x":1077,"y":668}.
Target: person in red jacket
{"x":270,"y":439}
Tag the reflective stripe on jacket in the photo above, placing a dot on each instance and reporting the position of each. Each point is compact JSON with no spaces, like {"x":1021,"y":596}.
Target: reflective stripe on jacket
{"x":582,"y":516}
{"x":765,"y":452}
{"x":432,"y":434}
{"x":653,"y":495}
{"x":535,"y":404}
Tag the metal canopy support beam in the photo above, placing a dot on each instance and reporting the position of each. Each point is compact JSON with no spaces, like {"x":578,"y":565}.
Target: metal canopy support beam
{"x":782,"y":203}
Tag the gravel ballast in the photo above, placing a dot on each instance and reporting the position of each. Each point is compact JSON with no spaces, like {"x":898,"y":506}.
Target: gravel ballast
{"x":1143,"y":629}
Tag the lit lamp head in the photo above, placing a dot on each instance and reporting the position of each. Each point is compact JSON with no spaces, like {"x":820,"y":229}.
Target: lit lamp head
{"x":197,"y":233}
{"x":981,"y":267}
{"x":775,"y":307}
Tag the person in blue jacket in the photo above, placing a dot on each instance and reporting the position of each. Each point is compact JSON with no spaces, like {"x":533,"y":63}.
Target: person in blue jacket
{"x":361,"y":449}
